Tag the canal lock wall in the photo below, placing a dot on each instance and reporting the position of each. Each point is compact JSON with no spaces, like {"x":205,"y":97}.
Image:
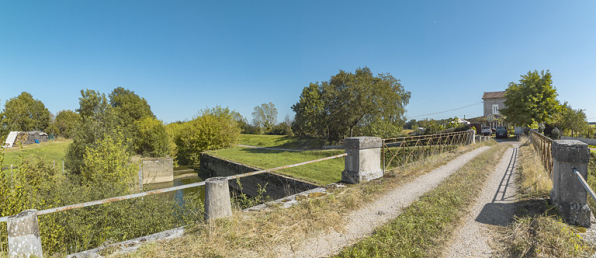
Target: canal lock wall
{"x":277,"y":186}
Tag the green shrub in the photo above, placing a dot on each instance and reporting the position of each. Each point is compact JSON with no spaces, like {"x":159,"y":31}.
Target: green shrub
{"x":151,"y":138}
{"x":212,"y":129}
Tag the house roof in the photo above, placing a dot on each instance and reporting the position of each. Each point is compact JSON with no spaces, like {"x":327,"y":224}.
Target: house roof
{"x":494,"y":95}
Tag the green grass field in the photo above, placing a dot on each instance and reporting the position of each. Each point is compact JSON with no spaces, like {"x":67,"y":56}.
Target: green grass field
{"x":324,"y":172}
{"x":49,"y":151}
{"x":281,"y":141}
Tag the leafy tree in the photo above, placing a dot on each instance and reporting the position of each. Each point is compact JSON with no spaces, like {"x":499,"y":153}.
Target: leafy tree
{"x":151,"y":138}
{"x":532,"y":100}
{"x":265,"y":116}
{"x":212,"y":129}
{"x":129,"y":106}
{"x":66,"y":121}
{"x":97,"y":119}
{"x":350,"y":100}
{"x":571,"y":119}
{"x":309,"y":118}
{"x":23,"y":113}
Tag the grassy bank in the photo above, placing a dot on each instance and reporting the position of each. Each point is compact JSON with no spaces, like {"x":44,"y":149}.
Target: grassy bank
{"x":323,"y":172}
{"x":423,"y":227}
{"x":49,"y":151}
{"x":537,"y":230}
{"x":281,"y":141}
{"x":259,"y":234}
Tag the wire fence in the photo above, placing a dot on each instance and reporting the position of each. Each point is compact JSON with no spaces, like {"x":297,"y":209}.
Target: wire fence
{"x":400,"y":151}
{"x":543,"y":145}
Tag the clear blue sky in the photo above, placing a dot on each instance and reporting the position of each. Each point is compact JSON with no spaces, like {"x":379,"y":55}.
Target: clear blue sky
{"x":183,"y":56}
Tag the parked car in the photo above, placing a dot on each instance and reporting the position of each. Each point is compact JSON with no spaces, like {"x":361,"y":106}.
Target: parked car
{"x":486,"y":131}
{"x":501,"y":132}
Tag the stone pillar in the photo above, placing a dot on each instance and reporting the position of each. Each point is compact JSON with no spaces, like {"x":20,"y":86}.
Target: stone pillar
{"x":568,"y":195}
{"x":217,"y":198}
{"x":472,"y":135}
{"x":23,"y":235}
{"x":363,"y":162}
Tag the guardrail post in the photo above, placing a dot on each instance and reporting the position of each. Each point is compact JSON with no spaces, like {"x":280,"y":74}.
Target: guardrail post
{"x":472,"y":135}
{"x":568,"y":195}
{"x":363,"y":160}
{"x":23,"y":235}
{"x":217,"y":198}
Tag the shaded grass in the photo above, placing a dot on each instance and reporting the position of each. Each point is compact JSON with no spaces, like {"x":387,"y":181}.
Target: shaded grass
{"x":423,"y":227}
{"x":537,"y":230}
{"x":48,"y":151}
{"x":281,"y":141}
{"x":260,"y":234}
{"x":324,"y":172}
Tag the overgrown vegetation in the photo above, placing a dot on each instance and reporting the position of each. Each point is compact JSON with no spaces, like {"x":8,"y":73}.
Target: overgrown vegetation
{"x":537,"y":230}
{"x":423,"y":227}
{"x":262,"y":233}
{"x":37,"y":184}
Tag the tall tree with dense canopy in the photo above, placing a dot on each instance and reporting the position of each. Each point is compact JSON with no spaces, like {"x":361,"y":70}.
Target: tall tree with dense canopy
{"x":309,"y":119}
{"x":350,"y":100}
{"x":532,"y":100}
{"x":66,"y":121}
{"x":129,"y":106}
{"x":23,"y":113}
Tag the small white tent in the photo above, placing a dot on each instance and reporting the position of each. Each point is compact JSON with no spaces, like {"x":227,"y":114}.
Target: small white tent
{"x":12,"y":136}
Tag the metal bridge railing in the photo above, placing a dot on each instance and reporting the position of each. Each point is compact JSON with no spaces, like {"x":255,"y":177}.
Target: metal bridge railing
{"x":169,"y":189}
{"x":543,"y":145}
{"x":399,"y":151}
{"x":584,"y":184}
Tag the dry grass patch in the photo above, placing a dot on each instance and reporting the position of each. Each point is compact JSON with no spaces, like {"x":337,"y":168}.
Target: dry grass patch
{"x":533,"y":179}
{"x":537,"y":231}
{"x":259,"y":234}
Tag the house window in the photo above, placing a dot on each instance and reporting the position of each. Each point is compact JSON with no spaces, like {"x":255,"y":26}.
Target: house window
{"x":495,"y":109}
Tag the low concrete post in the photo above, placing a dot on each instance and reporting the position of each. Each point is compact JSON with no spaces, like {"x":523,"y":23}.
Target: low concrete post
{"x":141,"y":176}
{"x":472,"y":135}
{"x":363,"y":162}
{"x":23,"y":235}
{"x":568,"y":195}
{"x":217,"y":198}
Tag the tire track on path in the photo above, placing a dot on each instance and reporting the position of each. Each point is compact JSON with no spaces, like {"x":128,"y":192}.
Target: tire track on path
{"x":361,"y":223}
{"x":494,"y":207}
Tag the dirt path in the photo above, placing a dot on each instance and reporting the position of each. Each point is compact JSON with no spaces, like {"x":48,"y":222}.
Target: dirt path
{"x":493,"y":208}
{"x":362,"y":222}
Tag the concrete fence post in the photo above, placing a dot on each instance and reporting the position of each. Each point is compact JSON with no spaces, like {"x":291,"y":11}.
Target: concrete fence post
{"x":23,"y":235}
{"x":217,"y":198}
{"x":472,"y":136}
{"x":363,"y":162}
{"x":568,"y":195}
{"x":141,"y":176}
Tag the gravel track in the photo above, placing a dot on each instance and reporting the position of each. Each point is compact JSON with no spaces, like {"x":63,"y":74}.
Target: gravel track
{"x":493,"y":208}
{"x":361,"y":223}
